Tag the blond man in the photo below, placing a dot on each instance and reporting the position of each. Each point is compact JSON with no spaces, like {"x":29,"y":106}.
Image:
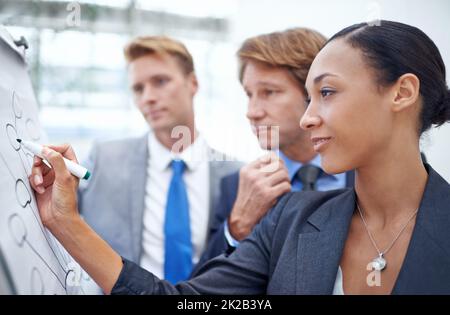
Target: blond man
{"x":151,"y":197}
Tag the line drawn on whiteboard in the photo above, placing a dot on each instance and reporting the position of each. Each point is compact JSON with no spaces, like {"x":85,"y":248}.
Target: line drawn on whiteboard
{"x":17,"y":109}
{"x":16,"y":224}
{"x":23,"y":197}
{"x":19,"y":232}
{"x":12,"y":136}
{"x":37,"y":284}
{"x":22,"y":193}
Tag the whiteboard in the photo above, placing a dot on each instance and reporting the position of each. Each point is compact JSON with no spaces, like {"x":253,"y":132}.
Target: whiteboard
{"x":36,"y":262}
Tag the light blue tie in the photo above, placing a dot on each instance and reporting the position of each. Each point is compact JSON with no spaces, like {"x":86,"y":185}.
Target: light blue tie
{"x":177,"y":231}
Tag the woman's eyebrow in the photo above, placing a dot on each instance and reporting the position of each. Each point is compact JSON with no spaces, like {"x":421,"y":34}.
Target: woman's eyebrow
{"x":322,"y":76}
{"x":319,"y":78}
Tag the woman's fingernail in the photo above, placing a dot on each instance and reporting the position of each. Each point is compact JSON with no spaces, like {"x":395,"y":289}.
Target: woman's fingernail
{"x":40,"y":189}
{"x":37,"y":179}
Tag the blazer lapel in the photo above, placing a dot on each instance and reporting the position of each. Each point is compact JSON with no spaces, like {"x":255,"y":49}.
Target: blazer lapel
{"x":138,"y":177}
{"x":425,"y":269}
{"x":321,"y":243}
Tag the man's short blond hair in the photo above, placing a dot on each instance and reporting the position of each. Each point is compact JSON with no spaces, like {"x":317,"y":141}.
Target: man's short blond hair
{"x":162,"y":45}
{"x":293,"y":49}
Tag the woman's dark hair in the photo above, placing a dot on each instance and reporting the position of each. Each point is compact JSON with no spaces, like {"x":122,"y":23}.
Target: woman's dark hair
{"x":393,"y":49}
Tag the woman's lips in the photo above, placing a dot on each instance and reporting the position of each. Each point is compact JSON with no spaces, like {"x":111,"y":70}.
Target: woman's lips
{"x":319,"y":143}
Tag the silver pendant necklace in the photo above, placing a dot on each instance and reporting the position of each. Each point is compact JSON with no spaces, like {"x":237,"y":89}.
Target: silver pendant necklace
{"x":379,"y":263}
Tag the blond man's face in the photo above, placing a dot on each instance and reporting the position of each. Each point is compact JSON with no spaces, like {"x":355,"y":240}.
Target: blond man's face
{"x":162,"y":91}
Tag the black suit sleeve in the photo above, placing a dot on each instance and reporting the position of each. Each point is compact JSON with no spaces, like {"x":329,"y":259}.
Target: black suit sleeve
{"x":245,"y":271}
{"x":217,"y":245}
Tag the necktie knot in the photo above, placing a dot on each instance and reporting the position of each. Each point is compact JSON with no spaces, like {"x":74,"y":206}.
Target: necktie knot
{"x":308,"y":175}
{"x":178,"y":167}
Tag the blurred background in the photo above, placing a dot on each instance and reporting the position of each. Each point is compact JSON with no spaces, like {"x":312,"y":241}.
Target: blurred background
{"x":79,"y":75}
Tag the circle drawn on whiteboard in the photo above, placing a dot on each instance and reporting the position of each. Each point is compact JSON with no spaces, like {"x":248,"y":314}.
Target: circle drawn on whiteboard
{"x":37,"y":284}
{"x":12,"y":136}
{"x":85,"y":276}
{"x":17,"y":229}
{"x":22,"y":193}
{"x":71,"y":281}
{"x":32,"y":129}
{"x":16,"y":106}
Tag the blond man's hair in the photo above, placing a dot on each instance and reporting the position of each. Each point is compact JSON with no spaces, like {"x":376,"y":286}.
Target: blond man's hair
{"x":293,"y":49}
{"x":161,"y":45}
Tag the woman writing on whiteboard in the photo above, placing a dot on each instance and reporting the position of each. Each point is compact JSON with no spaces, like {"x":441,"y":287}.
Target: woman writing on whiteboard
{"x":373,"y":91}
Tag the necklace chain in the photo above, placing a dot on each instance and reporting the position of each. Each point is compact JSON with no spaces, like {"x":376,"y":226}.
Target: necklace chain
{"x":382,"y":253}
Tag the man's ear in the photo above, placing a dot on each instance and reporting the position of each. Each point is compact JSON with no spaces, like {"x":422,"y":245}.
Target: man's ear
{"x":193,"y":82}
{"x":406,"y":92}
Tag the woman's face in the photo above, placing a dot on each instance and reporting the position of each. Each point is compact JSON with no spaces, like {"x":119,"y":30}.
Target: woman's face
{"x":349,"y":116}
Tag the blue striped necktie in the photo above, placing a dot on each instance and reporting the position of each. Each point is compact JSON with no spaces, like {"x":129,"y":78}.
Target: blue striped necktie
{"x":178,"y":246}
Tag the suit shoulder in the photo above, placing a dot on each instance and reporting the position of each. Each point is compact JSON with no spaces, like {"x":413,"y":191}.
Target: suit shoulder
{"x":222,"y":164}
{"x":120,"y":143}
{"x":219,"y":157}
{"x":119,"y":147}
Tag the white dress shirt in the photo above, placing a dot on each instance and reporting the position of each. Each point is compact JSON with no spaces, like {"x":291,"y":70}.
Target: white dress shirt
{"x":159,"y":175}
{"x":338,"y":288}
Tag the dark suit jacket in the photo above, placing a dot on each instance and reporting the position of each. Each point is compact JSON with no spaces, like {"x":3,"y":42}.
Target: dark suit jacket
{"x":297,"y":248}
{"x":218,"y":244}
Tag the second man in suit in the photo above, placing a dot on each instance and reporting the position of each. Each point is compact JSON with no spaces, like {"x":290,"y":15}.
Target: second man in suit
{"x":273,"y":71}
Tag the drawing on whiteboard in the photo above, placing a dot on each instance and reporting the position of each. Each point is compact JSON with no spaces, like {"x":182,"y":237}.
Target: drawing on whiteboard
{"x":66,"y":273}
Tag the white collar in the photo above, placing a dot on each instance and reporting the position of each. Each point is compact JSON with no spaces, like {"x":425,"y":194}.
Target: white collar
{"x":193,"y":155}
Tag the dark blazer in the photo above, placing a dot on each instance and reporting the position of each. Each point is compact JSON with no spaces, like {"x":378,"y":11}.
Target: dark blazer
{"x":218,"y":244}
{"x":297,"y":248}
